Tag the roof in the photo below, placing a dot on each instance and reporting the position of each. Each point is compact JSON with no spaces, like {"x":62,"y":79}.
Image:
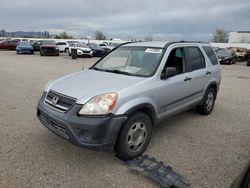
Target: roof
{"x":158,"y":44}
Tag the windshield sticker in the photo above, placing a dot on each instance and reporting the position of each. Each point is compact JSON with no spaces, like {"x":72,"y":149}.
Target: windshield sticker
{"x":153,"y":50}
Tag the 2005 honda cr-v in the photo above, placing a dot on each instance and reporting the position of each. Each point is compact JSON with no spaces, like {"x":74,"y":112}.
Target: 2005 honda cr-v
{"x":115,"y":103}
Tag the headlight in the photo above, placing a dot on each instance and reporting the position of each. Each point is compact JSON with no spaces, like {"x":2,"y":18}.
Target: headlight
{"x":99,"y":105}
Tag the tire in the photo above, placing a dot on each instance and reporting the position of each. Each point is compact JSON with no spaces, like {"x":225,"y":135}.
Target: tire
{"x":208,"y":102}
{"x":69,"y":54}
{"x":41,"y":54}
{"x":138,"y":127}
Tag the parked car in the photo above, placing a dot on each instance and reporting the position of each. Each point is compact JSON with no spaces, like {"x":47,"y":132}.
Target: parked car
{"x":9,"y":44}
{"x":24,"y":48}
{"x":115,"y":103}
{"x":226,"y":56}
{"x":82,"y":49}
{"x":36,"y":45}
{"x":106,"y":47}
{"x":240,"y":53}
{"x":63,"y":46}
{"x":97,"y":50}
{"x":49,"y":47}
{"x":247,"y":57}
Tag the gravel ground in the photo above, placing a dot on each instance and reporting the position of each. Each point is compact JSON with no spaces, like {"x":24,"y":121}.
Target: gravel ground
{"x":209,"y":150}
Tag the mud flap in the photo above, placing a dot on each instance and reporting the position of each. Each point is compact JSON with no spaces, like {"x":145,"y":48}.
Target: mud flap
{"x":157,"y":171}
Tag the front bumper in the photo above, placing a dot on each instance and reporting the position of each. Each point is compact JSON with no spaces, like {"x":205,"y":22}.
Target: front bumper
{"x":82,"y":53}
{"x":24,"y":51}
{"x":49,"y":51}
{"x":90,"y":132}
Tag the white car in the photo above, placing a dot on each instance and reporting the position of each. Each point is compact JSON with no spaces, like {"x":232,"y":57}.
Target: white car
{"x":63,"y":46}
{"x":82,"y":49}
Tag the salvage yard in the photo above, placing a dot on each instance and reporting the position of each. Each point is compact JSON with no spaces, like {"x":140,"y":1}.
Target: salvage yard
{"x":209,"y":150}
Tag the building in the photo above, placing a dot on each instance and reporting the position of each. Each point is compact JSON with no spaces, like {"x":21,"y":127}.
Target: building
{"x":239,"y":37}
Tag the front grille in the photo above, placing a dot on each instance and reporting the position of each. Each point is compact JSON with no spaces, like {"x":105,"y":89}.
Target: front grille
{"x":54,"y":125}
{"x":84,"y":51}
{"x":59,"y":102}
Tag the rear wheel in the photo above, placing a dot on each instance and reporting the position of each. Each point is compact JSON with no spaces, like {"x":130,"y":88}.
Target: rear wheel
{"x":134,"y":136}
{"x":208,"y":102}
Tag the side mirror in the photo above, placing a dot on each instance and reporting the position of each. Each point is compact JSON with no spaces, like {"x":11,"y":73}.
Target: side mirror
{"x":169,"y":72}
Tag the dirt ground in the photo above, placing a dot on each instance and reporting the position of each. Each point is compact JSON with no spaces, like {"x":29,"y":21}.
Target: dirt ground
{"x":209,"y":150}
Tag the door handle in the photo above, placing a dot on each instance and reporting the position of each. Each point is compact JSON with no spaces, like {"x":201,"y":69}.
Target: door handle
{"x":187,"y":79}
{"x":208,"y":73}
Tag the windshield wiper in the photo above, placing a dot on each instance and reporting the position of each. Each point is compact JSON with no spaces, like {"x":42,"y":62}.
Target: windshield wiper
{"x":95,"y":68}
{"x":113,"y":71}
{"x":120,"y":72}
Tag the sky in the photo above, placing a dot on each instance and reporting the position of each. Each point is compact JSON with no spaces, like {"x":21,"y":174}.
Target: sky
{"x":127,"y":19}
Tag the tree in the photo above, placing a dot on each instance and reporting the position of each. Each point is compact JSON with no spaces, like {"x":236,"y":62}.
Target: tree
{"x":100,"y":36}
{"x":63,"y":35}
{"x":220,"y":35}
{"x":148,"y":38}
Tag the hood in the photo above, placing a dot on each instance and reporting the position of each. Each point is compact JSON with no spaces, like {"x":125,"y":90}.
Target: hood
{"x":86,"y":84}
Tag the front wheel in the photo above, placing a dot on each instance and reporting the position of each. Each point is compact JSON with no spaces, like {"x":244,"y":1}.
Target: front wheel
{"x":134,"y":136}
{"x":208,"y":102}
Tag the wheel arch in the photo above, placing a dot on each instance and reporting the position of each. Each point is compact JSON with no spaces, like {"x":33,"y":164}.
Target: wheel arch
{"x":146,"y":108}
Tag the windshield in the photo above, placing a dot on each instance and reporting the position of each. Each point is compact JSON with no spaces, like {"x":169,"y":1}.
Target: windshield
{"x":135,"y":61}
{"x":94,"y":46}
{"x":224,"y":53}
{"x":81,"y":45}
{"x":23,"y":44}
{"x":48,"y":42}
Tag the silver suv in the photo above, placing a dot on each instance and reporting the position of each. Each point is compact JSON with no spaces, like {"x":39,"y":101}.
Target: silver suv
{"x":116,"y":102}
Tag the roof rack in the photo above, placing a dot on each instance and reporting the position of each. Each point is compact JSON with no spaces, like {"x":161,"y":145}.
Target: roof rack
{"x":182,"y":41}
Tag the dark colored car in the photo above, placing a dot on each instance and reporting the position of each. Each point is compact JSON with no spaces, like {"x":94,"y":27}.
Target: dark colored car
{"x":226,"y":56}
{"x":247,"y":57}
{"x":36,"y":45}
{"x":243,"y":180}
{"x":49,"y":47}
{"x":24,"y":48}
{"x":97,"y":50}
{"x":9,"y":44}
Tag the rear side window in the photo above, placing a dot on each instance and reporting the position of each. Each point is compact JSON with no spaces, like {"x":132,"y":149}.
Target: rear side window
{"x":211,"y":55}
{"x":195,"y":58}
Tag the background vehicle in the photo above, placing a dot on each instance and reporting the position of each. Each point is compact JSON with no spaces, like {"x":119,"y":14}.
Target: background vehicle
{"x":49,"y":47}
{"x":106,"y":47}
{"x":63,"y":46}
{"x":24,"y":48}
{"x":247,"y":57}
{"x":132,"y":89}
{"x":226,"y":56}
{"x":82,"y":49}
{"x":9,"y":44}
{"x":240,"y":53}
{"x":36,"y":45}
{"x":97,"y":50}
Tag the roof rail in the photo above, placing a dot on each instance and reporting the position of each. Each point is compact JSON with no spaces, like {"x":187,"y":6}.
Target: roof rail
{"x":182,"y":41}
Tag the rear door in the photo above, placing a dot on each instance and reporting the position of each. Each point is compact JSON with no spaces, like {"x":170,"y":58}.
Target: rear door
{"x":199,"y":75}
